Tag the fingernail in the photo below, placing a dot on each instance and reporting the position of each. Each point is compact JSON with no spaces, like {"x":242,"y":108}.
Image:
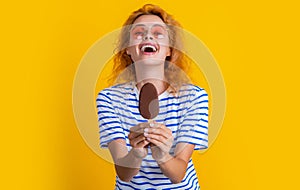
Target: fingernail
{"x":146,"y":134}
{"x":149,"y":139}
{"x":146,"y":130}
{"x":151,"y":124}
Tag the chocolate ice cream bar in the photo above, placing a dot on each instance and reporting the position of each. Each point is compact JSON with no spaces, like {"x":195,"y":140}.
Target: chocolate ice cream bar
{"x":148,"y":101}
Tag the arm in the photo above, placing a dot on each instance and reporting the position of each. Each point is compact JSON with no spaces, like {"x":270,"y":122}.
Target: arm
{"x":172,"y":167}
{"x":112,"y":135}
{"x":127,"y":164}
{"x":175,"y":167}
{"x":193,"y":134}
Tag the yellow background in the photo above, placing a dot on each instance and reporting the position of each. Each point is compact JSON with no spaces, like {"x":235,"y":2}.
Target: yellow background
{"x":256,"y":44}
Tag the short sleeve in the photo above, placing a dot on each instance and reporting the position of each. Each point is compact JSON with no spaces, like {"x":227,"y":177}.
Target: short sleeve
{"x":109,"y":123}
{"x":194,"y":127}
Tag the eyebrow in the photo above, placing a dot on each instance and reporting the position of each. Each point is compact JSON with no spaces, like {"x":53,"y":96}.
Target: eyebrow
{"x":135,"y":25}
{"x":155,"y":24}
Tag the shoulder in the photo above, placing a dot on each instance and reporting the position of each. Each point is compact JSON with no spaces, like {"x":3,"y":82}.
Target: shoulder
{"x":192,"y":90}
{"x":118,"y":90}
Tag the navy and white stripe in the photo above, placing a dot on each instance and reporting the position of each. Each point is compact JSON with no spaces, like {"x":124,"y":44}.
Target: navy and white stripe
{"x":185,"y":113}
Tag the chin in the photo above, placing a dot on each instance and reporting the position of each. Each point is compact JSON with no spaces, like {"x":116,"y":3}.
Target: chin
{"x":152,"y":61}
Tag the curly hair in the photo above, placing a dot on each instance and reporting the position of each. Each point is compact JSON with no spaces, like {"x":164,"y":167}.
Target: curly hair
{"x":172,"y":72}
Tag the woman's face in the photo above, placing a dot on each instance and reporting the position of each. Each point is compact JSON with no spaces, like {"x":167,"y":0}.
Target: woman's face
{"x":149,"y":40}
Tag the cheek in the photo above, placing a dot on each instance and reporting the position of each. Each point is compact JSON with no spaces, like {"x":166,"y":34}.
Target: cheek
{"x":133,"y":42}
{"x":164,"y":42}
{"x":130,"y":50}
{"x":166,"y":51}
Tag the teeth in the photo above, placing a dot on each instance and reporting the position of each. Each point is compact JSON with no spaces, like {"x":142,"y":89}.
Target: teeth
{"x":148,"y":46}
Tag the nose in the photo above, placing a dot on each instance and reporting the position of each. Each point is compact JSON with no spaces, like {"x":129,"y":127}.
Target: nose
{"x":148,"y":36}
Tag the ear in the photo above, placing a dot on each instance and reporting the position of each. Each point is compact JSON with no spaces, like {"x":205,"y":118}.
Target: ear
{"x":127,"y":52}
{"x":169,"y":52}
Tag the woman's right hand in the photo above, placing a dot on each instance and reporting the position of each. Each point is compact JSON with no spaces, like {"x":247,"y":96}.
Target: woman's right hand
{"x":138,"y":141}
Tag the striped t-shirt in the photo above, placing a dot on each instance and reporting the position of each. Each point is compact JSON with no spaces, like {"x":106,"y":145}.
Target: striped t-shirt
{"x":185,"y":113}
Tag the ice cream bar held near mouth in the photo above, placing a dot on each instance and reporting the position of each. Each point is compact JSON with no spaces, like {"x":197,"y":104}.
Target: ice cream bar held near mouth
{"x":148,"y":102}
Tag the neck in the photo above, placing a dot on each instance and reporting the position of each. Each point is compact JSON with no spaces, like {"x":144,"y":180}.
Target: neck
{"x":147,"y":71}
{"x":160,"y":85}
{"x":153,"y":73}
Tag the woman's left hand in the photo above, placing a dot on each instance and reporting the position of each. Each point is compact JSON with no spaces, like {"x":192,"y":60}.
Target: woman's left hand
{"x":161,"y":140}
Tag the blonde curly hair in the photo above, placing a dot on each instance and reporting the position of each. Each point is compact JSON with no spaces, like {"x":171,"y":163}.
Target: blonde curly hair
{"x":178,"y":61}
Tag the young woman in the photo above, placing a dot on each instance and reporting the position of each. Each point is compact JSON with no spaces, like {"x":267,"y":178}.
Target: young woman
{"x":153,"y":155}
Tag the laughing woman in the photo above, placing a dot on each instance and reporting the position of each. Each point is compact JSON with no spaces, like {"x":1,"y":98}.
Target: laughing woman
{"x":153,"y":155}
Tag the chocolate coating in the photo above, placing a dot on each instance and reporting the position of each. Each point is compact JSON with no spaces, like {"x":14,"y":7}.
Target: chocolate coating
{"x":148,"y":104}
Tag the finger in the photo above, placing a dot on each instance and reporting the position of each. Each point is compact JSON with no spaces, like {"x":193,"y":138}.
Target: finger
{"x":167,"y":141}
{"x":158,"y":144}
{"x":142,"y":144}
{"x":158,"y":131}
{"x":156,"y":137}
{"x":163,"y":127}
{"x":139,"y":128}
{"x":137,"y":140}
{"x":136,"y":131}
{"x":133,"y":135}
{"x":152,"y":123}
{"x":135,"y":128}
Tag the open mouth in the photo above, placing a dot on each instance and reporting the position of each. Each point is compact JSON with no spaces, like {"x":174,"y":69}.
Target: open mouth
{"x":148,"y":48}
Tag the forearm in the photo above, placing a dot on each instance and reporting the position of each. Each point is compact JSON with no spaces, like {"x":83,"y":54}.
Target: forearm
{"x":174,"y":168}
{"x":128,"y":166}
